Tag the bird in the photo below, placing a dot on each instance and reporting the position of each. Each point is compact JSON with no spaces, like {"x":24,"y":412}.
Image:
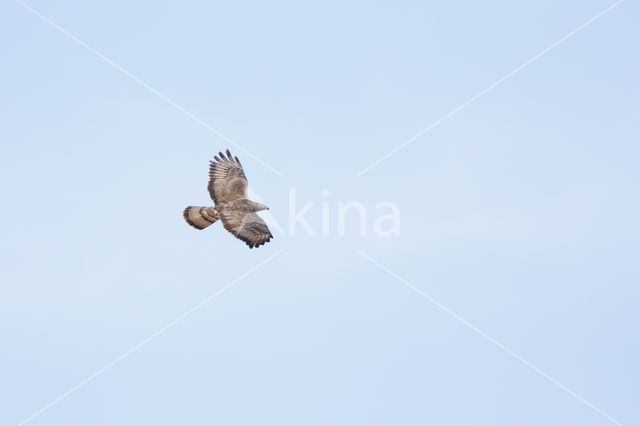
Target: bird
{"x":228,"y":190}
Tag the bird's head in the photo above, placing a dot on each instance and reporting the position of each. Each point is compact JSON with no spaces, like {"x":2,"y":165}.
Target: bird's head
{"x":259,"y":206}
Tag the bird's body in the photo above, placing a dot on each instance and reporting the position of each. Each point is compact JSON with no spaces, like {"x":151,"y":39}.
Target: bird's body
{"x":228,"y":189}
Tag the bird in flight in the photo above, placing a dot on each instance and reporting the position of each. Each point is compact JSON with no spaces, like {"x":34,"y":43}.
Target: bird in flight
{"x":228,"y":189}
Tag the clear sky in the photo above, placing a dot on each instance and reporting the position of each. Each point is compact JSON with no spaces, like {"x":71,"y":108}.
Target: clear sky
{"x":519,"y":214}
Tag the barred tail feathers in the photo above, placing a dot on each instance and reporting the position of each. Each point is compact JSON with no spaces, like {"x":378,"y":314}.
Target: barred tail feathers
{"x":200,"y":217}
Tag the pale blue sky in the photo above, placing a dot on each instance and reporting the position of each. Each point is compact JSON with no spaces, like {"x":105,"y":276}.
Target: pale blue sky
{"x":519,"y":213}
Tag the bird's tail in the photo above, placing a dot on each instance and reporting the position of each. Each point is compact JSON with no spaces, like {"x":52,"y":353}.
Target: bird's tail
{"x":200,"y":217}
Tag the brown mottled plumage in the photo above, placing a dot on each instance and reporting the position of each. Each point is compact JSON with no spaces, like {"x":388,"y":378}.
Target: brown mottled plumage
{"x":228,"y":189}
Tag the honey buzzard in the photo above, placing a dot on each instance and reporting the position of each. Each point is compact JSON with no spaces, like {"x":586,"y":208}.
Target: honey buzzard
{"x":228,"y":189}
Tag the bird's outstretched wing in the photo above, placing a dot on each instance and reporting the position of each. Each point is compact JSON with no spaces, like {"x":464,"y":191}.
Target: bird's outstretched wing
{"x":227,"y":181}
{"x":248,"y":227}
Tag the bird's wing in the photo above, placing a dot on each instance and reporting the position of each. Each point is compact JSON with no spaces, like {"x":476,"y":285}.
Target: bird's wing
{"x":248,"y":227}
{"x":227,"y":181}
